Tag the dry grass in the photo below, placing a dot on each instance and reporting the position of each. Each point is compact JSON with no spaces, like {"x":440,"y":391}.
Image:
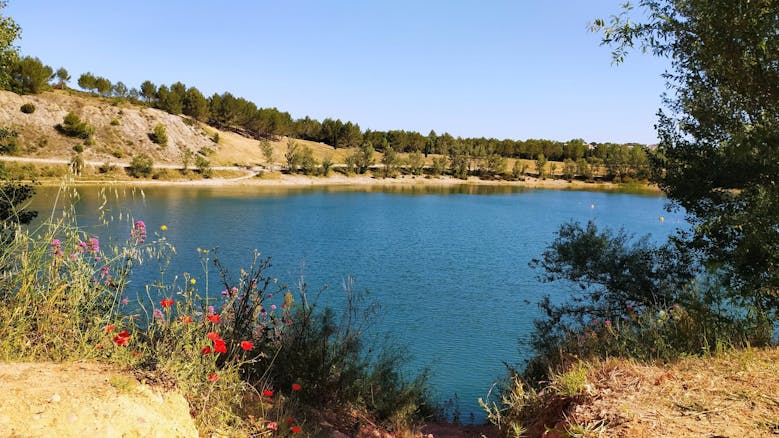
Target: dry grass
{"x":734,"y":394}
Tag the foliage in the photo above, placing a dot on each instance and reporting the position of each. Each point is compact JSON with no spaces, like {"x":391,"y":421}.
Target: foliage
{"x":415,"y":162}
{"x":327,"y":354}
{"x":439,"y":166}
{"x":390,"y":161}
{"x":29,"y":76}
{"x":9,"y":32}
{"x":27,"y":108}
{"x":267,"y":153}
{"x":9,"y":141}
{"x":633,"y":298}
{"x":141,"y":166}
{"x":717,"y":158}
{"x":73,"y":126}
{"x":13,"y":211}
{"x":308,"y":164}
{"x":203,"y":166}
{"x":292,"y":156}
{"x":541,"y":166}
{"x":186,"y":156}
{"x":148,"y":90}
{"x":76,"y":164}
{"x":159,"y":135}
{"x":459,"y":161}
{"x":363,"y":157}
{"x":327,"y":164}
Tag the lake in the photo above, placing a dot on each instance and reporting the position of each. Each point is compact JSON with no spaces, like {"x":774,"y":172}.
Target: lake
{"x":449,"y":266}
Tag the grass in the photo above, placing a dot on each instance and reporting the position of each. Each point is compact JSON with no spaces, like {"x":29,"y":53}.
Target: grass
{"x":729,"y":393}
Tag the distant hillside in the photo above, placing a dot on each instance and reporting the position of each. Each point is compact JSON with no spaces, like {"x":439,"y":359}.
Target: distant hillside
{"x":122,"y":130}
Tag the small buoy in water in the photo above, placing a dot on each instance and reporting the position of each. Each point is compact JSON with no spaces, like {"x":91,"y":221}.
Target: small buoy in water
{"x":592,"y":205}
{"x":662,"y":219}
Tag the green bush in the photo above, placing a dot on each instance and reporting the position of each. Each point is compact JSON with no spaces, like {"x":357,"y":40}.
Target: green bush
{"x":326,"y":352}
{"x":79,"y":148}
{"x":141,"y":166}
{"x":27,"y":108}
{"x":115,"y":122}
{"x":633,"y":298}
{"x":203,"y":166}
{"x":9,"y":142}
{"x":159,"y":135}
{"x":73,"y":126}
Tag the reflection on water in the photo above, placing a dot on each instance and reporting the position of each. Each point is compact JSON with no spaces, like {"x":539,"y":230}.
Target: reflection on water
{"x":448,"y":265}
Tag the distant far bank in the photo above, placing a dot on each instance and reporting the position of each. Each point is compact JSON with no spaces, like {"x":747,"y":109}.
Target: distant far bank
{"x":276,"y":179}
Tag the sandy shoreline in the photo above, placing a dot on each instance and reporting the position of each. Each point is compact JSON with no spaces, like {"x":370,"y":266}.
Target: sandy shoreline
{"x":283,"y":180}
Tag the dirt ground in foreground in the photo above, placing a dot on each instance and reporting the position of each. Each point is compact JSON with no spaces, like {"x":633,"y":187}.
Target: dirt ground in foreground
{"x":86,"y":399}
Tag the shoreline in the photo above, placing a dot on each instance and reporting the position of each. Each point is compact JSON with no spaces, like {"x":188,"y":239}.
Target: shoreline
{"x":300,"y":181}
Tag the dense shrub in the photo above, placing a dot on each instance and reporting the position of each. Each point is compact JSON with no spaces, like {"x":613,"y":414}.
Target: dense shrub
{"x":141,"y":166}
{"x":203,"y":166}
{"x":9,"y":141}
{"x":27,"y":108}
{"x":73,"y":126}
{"x":632,"y":298}
{"x":159,"y":135}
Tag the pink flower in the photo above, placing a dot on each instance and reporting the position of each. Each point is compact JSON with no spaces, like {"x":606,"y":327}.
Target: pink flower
{"x":139,"y":231}
{"x":272,"y":426}
{"x":94,"y":245}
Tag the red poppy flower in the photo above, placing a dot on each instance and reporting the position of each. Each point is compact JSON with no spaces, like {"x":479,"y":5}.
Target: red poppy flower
{"x":109,"y":328}
{"x":296,"y":387}
{"x":186,"y":319}
{"x":205,"y":350}
{"x":121,"y":338}
{"x":167,"y":302}
{"x":213,"y":336}
{"x":295,"y":429}
{"x":267,"y":393}
{"x":246,"y":345}
{"x":213,"y":377}
{"x":219,"y":346}
{"x":290,"y":420}
{"x":214,"y":318}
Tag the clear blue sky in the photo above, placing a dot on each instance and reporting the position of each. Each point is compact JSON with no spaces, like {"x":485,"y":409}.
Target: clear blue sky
{"x":494,"y":68}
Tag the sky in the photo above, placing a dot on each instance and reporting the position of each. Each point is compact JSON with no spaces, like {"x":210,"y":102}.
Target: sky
{"x":474,"y":68}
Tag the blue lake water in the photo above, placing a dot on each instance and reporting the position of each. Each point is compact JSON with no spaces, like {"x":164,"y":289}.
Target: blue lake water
{"x":449,"y":266}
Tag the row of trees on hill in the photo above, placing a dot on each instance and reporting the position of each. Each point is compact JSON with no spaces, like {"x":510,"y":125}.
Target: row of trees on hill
{"x":28,"y":75}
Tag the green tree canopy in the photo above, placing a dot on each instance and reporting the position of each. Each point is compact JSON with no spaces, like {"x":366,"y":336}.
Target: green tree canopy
{"x":9,"y":32}
{"x":719,"y":134}
{"x":30,"y":76}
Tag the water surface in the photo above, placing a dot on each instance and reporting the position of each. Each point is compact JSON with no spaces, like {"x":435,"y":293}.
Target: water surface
{"x":449,"y":266}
